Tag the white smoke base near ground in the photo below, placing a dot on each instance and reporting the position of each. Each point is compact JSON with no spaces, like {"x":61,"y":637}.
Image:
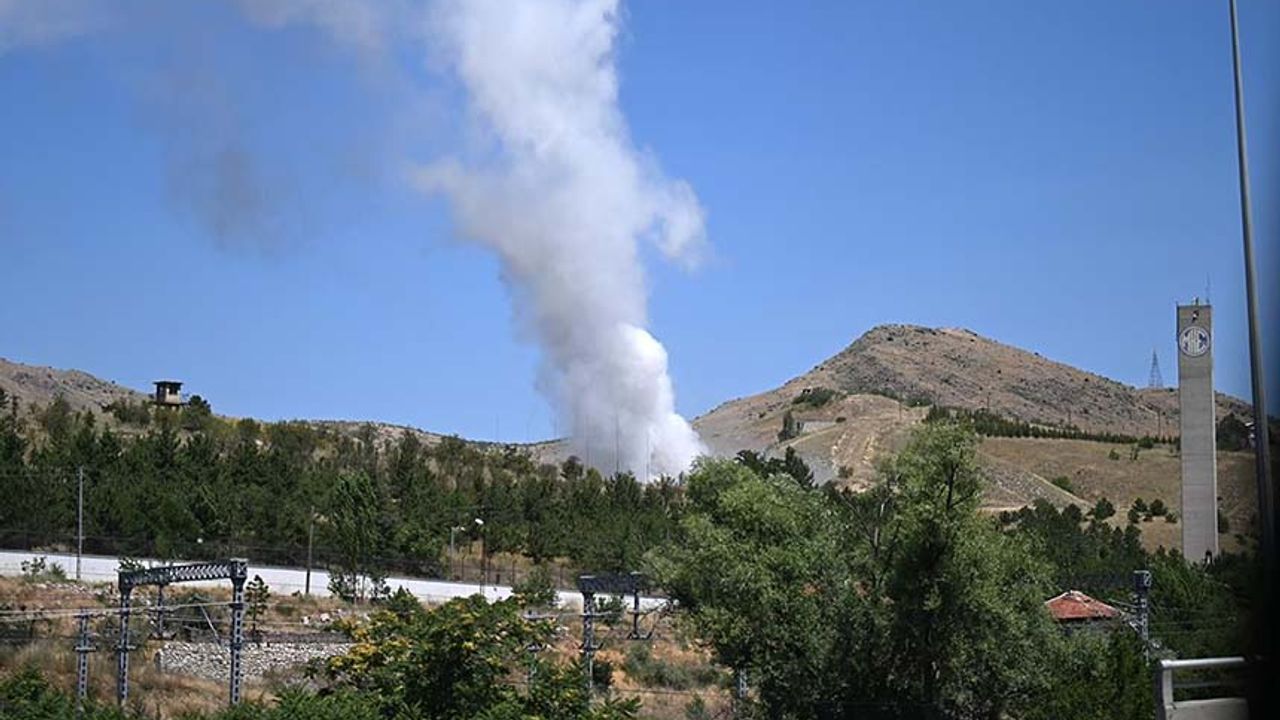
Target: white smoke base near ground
{"x":560,"y":193}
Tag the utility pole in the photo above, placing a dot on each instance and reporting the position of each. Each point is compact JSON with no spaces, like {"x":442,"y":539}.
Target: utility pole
{"x":311,"y":536}
{"x":1262,"y":450}
{"x":589,"y":645}
{"x":1142,"y":589}
{"x":79,"y":518}
{"x":83,"y":648}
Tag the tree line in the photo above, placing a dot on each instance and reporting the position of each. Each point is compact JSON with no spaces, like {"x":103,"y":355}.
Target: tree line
{"x":259,"y":490}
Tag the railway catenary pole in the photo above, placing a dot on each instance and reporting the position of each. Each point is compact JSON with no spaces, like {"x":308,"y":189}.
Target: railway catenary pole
{"x":122,"y":648}
{"x":79,"y":518}
{"x":1262,"y":452}
{"x":83,"y":648}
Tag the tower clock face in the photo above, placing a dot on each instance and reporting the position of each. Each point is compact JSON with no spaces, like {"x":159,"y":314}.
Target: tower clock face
{"x":1194,"y":341}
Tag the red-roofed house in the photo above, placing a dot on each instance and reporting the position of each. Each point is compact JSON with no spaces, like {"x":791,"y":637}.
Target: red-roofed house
{"x":1075,"y":608}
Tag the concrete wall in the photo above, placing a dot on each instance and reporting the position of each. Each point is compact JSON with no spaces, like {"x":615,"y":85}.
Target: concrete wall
{"x":1198,"y":430}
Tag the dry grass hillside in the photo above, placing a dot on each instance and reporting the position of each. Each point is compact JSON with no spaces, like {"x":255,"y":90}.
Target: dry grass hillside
{"x":37,"y":385}
{"x":1094,"y":473}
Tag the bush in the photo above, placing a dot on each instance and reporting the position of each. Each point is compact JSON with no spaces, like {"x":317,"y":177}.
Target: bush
{"x":1157,"y":508}
{"x":815,"y":396}
{"x":1171,"y":518}
{"x":1103,"y":509}
{"x":536,"y":590}
{"x":1113,"y":455}
{"x":40,"y":568}
{"x":1146,"y":442}
{"x":641,"y":666}
{"x":1224,"y":523}
{"x":1064,"y":482}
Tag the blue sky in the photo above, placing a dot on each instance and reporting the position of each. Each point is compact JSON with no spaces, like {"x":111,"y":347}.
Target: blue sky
{"x":1052,"y":175}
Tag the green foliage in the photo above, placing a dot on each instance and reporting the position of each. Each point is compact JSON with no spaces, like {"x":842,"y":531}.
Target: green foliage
{"x":1105,"y":677}
{"x":1102,"y":510}
{"x":197,"y":414}
{"x":1224,"y":523}
{"x":256,"y":594}
{"x":1064,"y":482}
{"x":131,"y":413}
{"x":253,"y":490}
{"x":641,"y":666}
{"x":39,"y":569}
{"x":902,"y":597}
{"x":357,"y":527}
{"x":790,"y":427}
{"x":26,"y":695}
{"x":536,"y":589}
{"x":790,"y":465}
{"x":1157,"y":508}
{"x":453,"y":662}
{"x":989,"y":423}
{"x":815,"y":397}
{"x":1113,"y":455}
{"x":1232,"y":434}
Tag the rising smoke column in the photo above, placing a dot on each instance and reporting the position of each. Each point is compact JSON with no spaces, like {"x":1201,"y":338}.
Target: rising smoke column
{"x":557,"y":189}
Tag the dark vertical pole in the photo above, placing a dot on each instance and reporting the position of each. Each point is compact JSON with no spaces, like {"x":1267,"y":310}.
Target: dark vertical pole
{"x":83,"y":648}
{"x":160,"y":623}
{"x":311,"y":534}
{"x":239,"y":573}
{"x":588,"y":638}
{"x":635,"y":616}
{"x":122,"y":649}
{"x":1261,"y":448}
{"x":79,"y":518}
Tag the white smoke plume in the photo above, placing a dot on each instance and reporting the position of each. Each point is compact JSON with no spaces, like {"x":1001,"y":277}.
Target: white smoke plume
{"x":558,"y":190}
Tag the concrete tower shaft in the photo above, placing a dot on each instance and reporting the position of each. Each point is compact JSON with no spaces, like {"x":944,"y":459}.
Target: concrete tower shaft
{"x":1198,"y":432}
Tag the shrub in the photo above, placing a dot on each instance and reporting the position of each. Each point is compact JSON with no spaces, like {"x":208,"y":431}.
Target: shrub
{"x":1157,"y":508}
{"x":641,"y":666}
{"x":1224,"y":523}
{"x":1103,"y":509}
{"x":815,"y":396}
{"x":1113,"y":455}
{"x":1171,"y":517}
{"x":40,"y":568}
{"x":1064,"y":482}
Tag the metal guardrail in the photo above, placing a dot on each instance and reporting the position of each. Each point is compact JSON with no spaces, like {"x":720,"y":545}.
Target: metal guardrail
{"x":1218,"y":708}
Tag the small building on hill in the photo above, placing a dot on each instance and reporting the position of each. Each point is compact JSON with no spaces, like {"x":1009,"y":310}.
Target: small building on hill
{"x":168,"y":392}
{"x":1074,"y":609}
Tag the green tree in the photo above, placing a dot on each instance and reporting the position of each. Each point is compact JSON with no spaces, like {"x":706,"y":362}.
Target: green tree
{"x":903,"y":598}
{"x":453,"y":663}
{"x":356,"y":529}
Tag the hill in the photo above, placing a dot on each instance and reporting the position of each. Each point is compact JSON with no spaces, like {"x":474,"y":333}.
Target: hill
{"x":854,"y":408}
{"x":858,"y":406}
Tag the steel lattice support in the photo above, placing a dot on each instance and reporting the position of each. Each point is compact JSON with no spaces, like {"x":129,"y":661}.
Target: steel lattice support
{"x":236,"y":570}
{"x":83,"y":648}
{"x":589,"y":638}
{"x":239,"y":573}
{"x":122,"y":646}
{"x":1142,"y":589}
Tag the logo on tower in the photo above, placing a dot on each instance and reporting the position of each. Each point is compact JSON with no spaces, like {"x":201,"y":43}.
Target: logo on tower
{"x":1194,"y":341}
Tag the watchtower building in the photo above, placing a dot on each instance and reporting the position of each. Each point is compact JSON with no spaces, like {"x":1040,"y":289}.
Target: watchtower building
{"x":1198,"y":432}
{"x":168,"y":393}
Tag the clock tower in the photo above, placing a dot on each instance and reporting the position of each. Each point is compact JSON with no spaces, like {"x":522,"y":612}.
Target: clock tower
{"x":1198,"y":428}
